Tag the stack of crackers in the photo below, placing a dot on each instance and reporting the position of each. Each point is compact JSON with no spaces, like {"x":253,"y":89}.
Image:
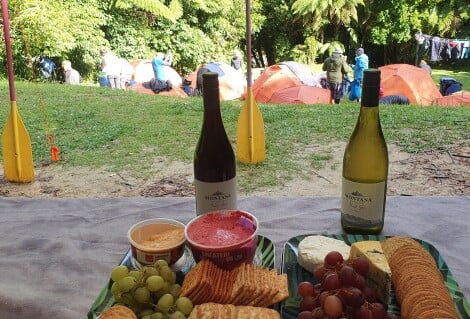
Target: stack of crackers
{"x":419,"y":285}
{"x":247,"y":285}
{"x":227,"y":311}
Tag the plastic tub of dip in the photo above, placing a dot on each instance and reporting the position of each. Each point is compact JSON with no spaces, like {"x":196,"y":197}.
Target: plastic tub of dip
{"x":158,"y":238}
{"x":228,"y":238}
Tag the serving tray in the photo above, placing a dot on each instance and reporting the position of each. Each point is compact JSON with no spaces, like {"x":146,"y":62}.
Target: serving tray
{"x":264,"y":256}
{"x":296,"y":274}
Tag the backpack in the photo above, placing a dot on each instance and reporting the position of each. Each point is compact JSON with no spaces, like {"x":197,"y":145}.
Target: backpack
{"x":448,"y":86}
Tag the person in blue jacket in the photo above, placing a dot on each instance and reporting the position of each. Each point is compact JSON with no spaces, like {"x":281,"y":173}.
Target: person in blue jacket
{"x":157,"y":65}
{"x":361,"y":63}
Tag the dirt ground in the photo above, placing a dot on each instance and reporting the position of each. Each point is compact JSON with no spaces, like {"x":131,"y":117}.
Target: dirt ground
{"x":430,"y":173}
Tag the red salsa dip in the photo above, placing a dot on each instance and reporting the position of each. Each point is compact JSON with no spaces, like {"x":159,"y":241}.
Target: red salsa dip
{"x":221,"y":229}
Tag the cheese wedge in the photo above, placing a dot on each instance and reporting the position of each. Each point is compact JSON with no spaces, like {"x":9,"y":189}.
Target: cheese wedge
{"x":379,"y":277}
{"x":313,"y":249}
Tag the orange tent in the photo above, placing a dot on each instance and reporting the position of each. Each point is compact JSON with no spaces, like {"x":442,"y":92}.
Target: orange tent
{"x":411,"y":81}
{"x":302,"y":94}
{"x":456,"y":99}
{"x":273,"y":79}
{"x":231,"y":82}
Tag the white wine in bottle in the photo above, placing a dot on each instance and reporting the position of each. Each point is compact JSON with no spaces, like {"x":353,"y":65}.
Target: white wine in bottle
{"x":365,"y":166}
{"x":214,"y":159}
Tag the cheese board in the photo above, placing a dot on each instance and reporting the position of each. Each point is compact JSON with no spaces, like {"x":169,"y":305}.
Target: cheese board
{"x":264,"y":256}
{"x":296,"y":274}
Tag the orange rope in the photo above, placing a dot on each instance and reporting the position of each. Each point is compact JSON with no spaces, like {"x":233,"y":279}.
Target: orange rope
{"x":54,"y":150}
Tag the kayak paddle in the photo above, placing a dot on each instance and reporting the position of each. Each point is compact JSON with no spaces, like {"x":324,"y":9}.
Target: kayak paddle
{"x":16,"y":144}
{"x":250,"y":129}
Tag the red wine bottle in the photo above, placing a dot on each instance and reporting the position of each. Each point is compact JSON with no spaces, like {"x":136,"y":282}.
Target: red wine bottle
{"x":214,"y":159}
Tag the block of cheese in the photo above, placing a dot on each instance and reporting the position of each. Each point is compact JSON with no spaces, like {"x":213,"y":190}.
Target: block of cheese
{"x":379,"y":277}
{"x":313,"y":249}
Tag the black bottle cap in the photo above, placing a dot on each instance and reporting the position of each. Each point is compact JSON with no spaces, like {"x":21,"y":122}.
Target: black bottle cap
{"x":370,"y":88}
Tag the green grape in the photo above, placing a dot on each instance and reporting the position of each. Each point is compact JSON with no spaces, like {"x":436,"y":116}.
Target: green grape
{"x":157,"y":315}
{"x":155,"y":283}
{"x":150,"y":271}
{"x":119,"y":272}
{"x":166,"y":273}
{"x":161,"y":263}
{"x":175,"y":290}
{"x":164,"y":290}
{"x":177,"y":315}
{"x":115,"y":289}
{"x":146,"y":312}
{"x":137,"y":274}
{"x":126,"y":284}
{"x":172,"y":278}
{"x":165,"y":302}
{"x":127,"y":300}
{"x":185,"y":305}
{"x":142,"y":295}
{"x":146,"y":317}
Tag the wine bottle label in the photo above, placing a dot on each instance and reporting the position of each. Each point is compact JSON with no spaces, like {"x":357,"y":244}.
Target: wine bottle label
{"x":363,"y":202}
{"x":215,"y":196}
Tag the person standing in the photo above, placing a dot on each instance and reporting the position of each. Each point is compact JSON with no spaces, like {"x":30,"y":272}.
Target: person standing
{"x":71,"y":75}
{"x":336,"y":69}
{"x":237,"y":62}
{"x":361,"y":63}
{"x":157,"y":65}
{"x":127,"y":71}
{"x":111,"y":65}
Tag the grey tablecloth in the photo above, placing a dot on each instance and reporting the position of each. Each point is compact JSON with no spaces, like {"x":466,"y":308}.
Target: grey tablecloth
{"x":56,"y":254}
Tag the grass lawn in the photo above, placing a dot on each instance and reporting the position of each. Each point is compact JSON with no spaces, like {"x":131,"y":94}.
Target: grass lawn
{"x":119,"y":130}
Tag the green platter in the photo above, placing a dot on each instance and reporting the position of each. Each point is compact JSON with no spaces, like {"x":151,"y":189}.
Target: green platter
{"x":264,"y":256}
{"x":296,"y":274}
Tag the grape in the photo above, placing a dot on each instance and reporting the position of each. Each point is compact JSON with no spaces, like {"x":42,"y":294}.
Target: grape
{"x":308,"y":303}
{"x":331,"y":281}
{"x":333,"y":258}
{"x":119,"y":272}
{"x":359,"y":282}
{"x":165,"y":302}
{"x":115,"y":289}
{"x":150,"y":271}
{"x":126,"y":284}
{"x":177,"y":315}
{"x":362,"y":313}
{"x":369,"y":294}
{"x":137,"y":274}
{"x":142,"y":295}
{"x":304,"y":315}
{"x":306,"y":288}
{"x":361,"y":266}
{"x":155,"y":283}
{"x":333,"y":307}
{"x":161,"y":263}
{"x":146,"y":317}
{"x":318,"y":313}
{"x":184,"y":305}
{"x":351,"y":296}
{"x":319,"y":272}
{"x":157,"y":315}
{"x":167,"y":274}
{"x":377,"y":310}
{"x":175,"y":290}
{"x":347,"y":275}
{"x":322,"y":297}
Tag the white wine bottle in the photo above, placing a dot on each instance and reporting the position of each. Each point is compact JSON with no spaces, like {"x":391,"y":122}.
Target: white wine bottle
{"x":214,"y":159}
{"x":365,"y":166}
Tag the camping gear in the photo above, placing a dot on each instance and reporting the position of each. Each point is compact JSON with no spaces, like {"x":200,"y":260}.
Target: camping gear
{"x":411,"y":81}
{"x":456,"y":99}
{"x":448,"y":86}
{"x":251,"y":146}
{"x":301,"y":94}
{"x":274,"y":78}
{"x":16,"y":144}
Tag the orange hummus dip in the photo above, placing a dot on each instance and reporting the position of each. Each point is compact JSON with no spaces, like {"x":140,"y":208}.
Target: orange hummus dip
{"x":165,"y":239}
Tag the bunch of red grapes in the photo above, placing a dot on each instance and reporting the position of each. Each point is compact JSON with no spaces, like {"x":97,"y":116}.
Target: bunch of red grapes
{"x":341,"y":292}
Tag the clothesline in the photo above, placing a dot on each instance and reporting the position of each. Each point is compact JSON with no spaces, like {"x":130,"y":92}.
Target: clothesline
{"x":441,"y":49}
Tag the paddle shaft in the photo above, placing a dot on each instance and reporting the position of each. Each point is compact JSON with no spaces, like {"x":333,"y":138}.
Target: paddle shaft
{"x":6,"y":30}
{"x":249,"y":78}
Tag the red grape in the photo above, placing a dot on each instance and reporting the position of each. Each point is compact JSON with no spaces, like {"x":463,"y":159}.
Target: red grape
{"x":308,"y":303}
{"x":305,"y":315}
{"x":378,"y":310}
{"x":362,"y":313}
{"x":369,"y":294}
{"x":347,"y":275}
{"x":359,"y":282}
{"x":318,"y":313}
{"x":351,"y":297}
{"x":333,"y":258}
{"x":319,"y":272}
{"x":361,"y":266}
{"x":306,"y":288}
{"x":333,"y":307}
{"x":331,"y":281}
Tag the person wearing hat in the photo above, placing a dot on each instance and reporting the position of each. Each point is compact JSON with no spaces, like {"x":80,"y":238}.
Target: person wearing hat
{"x":361,"y":63}
{"x":336,"y":70}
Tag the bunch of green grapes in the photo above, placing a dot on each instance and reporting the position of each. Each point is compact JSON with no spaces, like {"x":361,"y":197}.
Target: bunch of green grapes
{"x":151,"y":292}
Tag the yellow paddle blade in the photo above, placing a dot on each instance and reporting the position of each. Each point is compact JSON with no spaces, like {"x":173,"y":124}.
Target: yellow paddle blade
{"x":250,"y":132}
{"x":16,"y":146}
